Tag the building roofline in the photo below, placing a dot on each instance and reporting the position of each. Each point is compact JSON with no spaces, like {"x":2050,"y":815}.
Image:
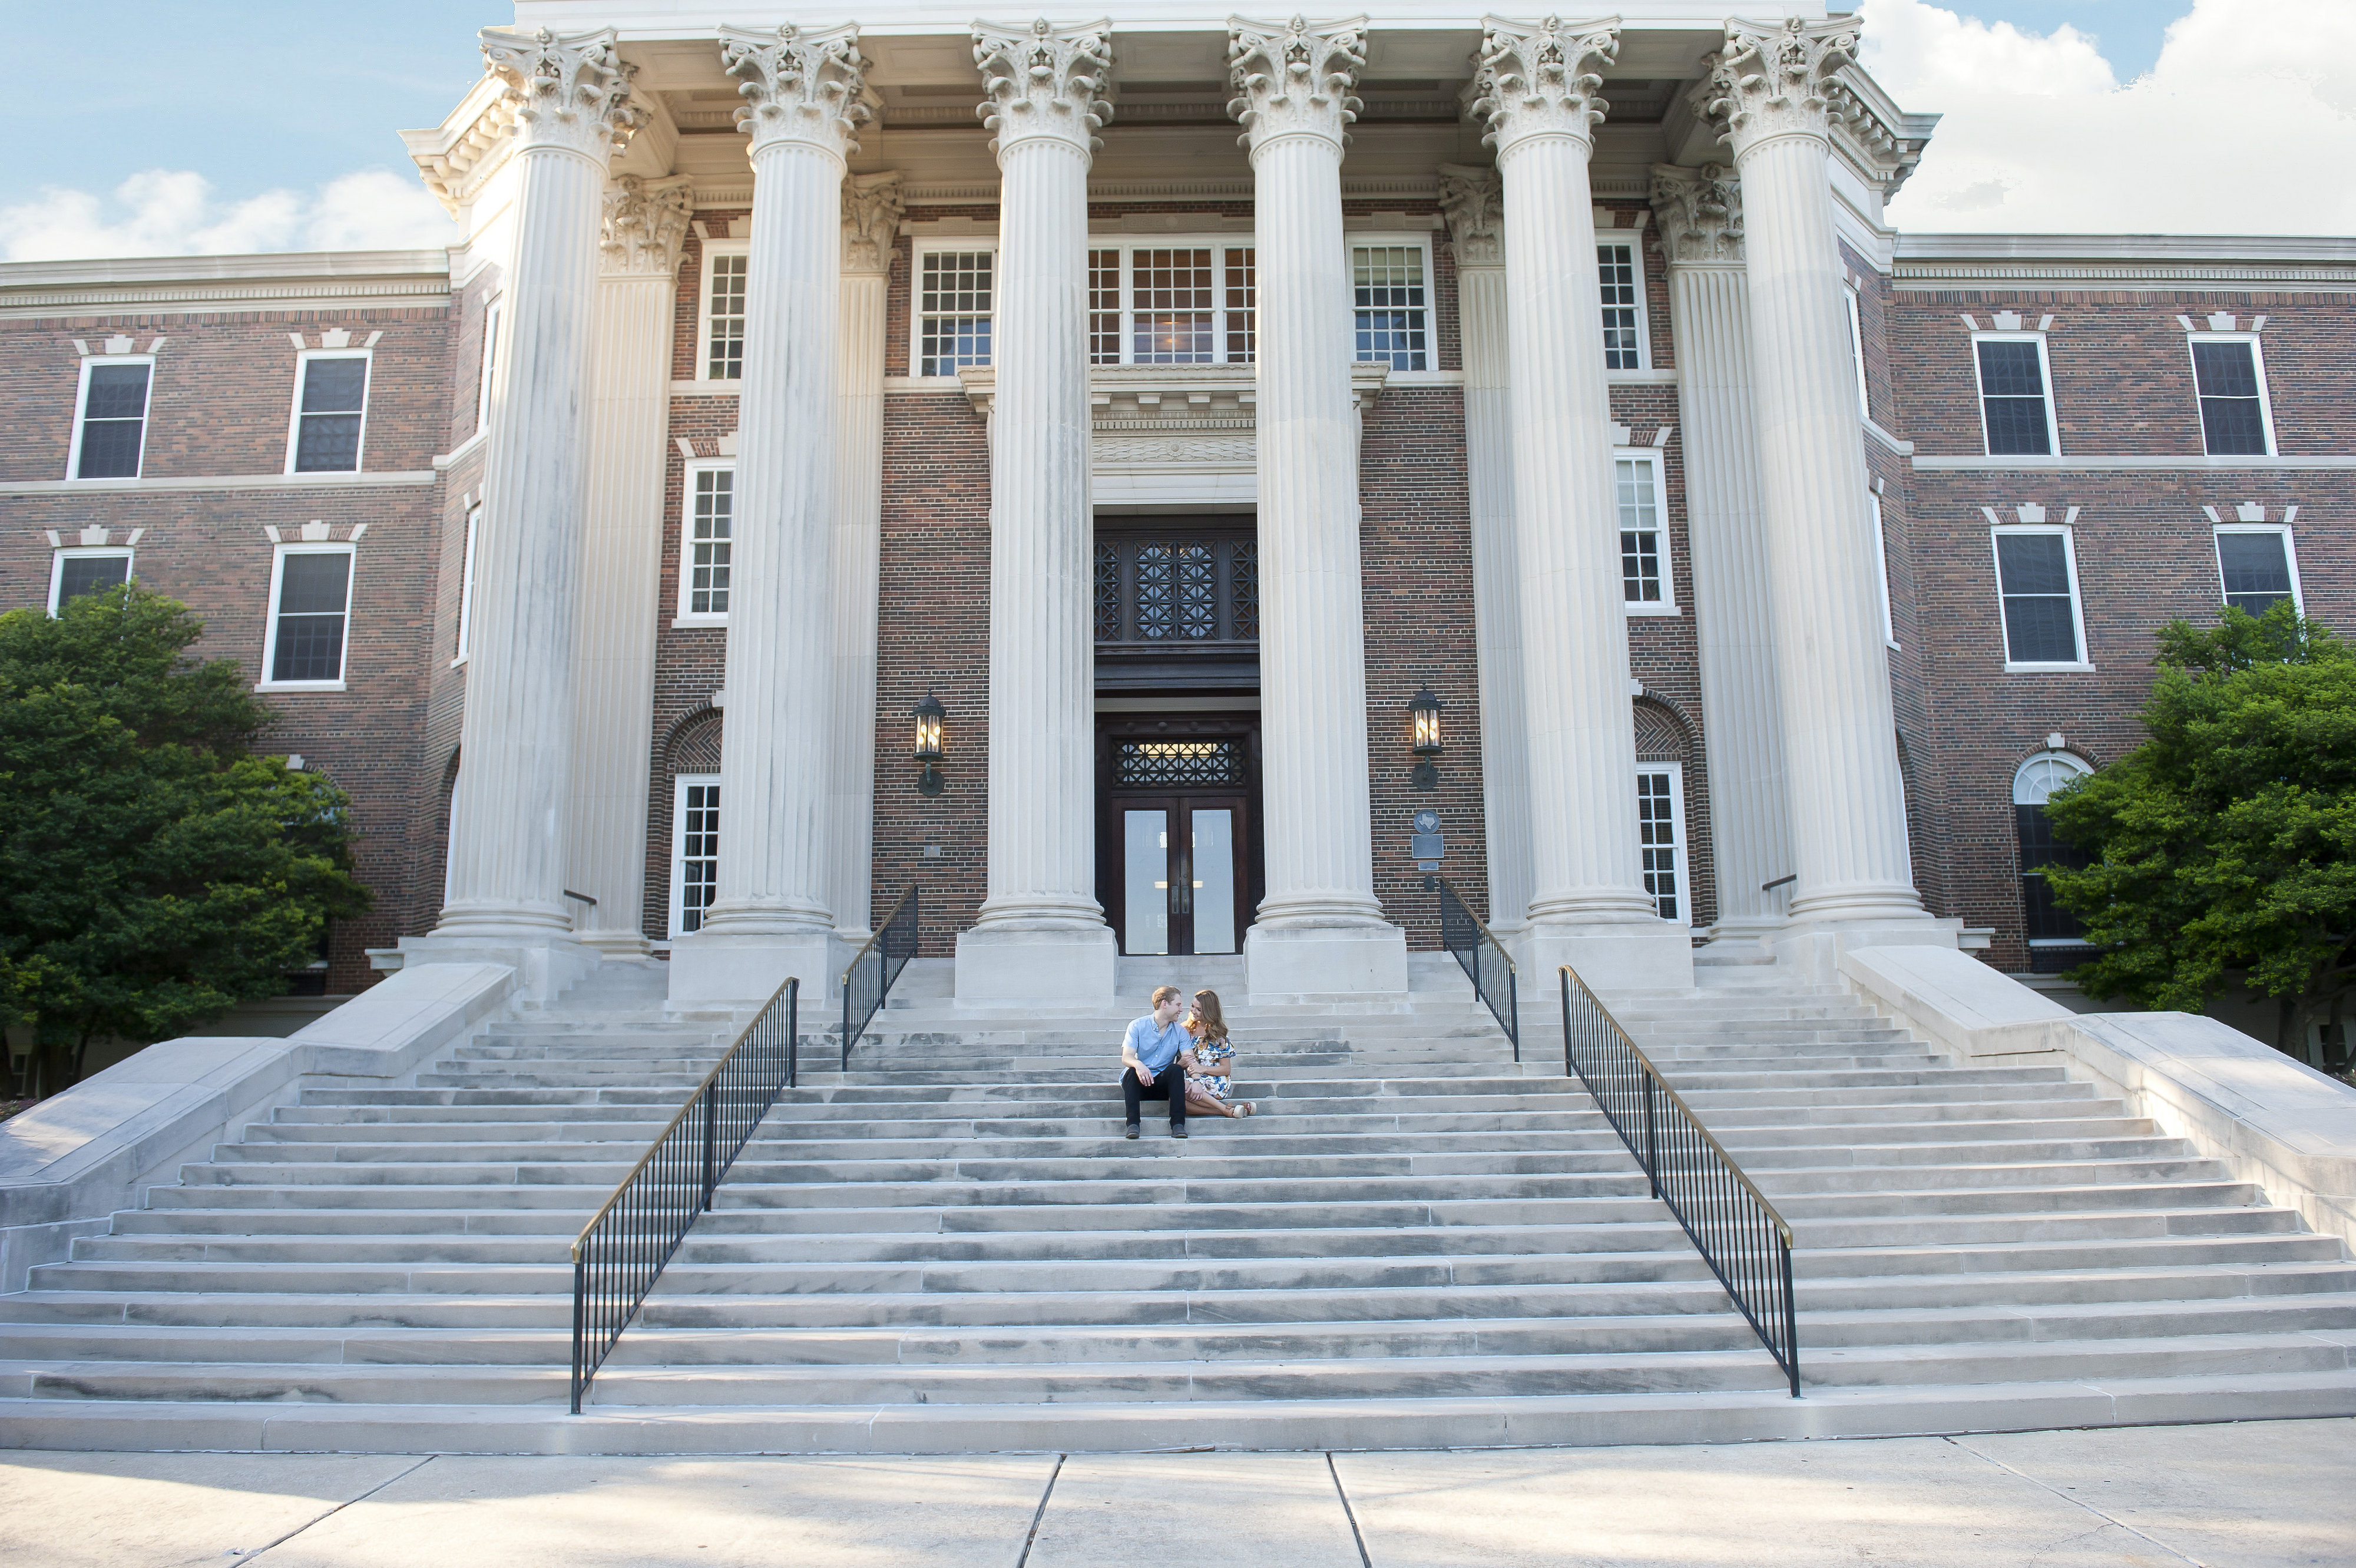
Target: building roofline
{"x":284,"y":280}
{"x":2275,"y":249}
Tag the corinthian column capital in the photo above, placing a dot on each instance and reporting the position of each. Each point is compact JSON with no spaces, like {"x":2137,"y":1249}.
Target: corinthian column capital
{"x":568,"y":90}
{"x":646,"y":223}
{"x":872,"y":206}
{"x":1474,"y":202}
{"x":1699,"y":212}
{"x":1542,"y":79}
{"x":1771,"y":79}
{"x":1044,"y":82}
{"x":801,"y":86}
{"x":1296,"y":77}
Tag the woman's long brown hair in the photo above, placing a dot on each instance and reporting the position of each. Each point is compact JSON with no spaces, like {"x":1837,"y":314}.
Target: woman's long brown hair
{"x":1215,"y":1023}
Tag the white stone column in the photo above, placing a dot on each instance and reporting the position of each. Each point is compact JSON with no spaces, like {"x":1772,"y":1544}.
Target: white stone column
{"x":1320,"y":932}
{"x":1699,"y":213}
{"x":508,"y":838}
{"x":804,"y":95}
{"x":1474,"y":202}
{"x":871,"y":221}
{"x":1041,"y":937}
{"x":622,"y":533}
{"x":1847,"y":804}
{"x":1588,"y":909}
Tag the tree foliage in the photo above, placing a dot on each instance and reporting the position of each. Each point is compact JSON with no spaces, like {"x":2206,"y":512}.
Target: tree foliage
{"x":2223,"y":849}
{"x":154,"y":871}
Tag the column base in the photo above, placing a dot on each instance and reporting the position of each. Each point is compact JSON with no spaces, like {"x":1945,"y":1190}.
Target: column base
{"x":618,"y":944}
{"x":710,"y":971}
{"x":545,"y":968}
{"x":1324,"y":963}
{"x":1614,"y":959}
{"x":1810,"y":949}
{"x":997,"y":967}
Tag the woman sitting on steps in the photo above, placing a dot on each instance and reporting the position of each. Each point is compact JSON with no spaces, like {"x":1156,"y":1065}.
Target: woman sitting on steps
{"x":1209,"y":1090}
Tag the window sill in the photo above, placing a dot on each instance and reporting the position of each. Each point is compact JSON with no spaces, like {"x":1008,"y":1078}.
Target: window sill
{"x":707,"y":389}
{"x":459,"y":662}
{"x":301,"y":686}
{"x":317,"y":475}
{"x":1653,"y":609}
{"x":2012,"y":669}
{"x":721,"y":620}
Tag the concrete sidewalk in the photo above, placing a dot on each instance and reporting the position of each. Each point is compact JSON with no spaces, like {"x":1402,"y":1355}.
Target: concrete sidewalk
{"x":2276,"y":1493}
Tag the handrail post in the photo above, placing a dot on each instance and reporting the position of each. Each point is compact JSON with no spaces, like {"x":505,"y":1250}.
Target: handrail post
{"x":1514,"y":1001}
{"x":580,"y":1323}
{"x":1791,"y":1320}
{"x":1652,"y":1148}
{"x":711,"y":1143}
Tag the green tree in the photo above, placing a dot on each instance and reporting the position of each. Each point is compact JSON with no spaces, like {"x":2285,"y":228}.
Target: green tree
{"x":2223,"y":849}
{"x":154,"y":871}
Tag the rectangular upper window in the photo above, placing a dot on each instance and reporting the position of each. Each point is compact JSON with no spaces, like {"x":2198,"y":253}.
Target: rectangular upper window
{"x":2036,"y":581}
{"x":1881,"y":563}
{"x":1660,"y":836}
{"x":1621,"y":274}
{"x":725,"y":270}
{"x":2016,"y":413}
{"x":1182,"y":302}
{"x":311,"y":601}
{"x":2257,"y":568}
{"x":330,"y":406}
{"x":1388,"y":301}
{"x":1647,"y":586}
{"x":705,"y":542}
{"x":493,"y":315}
{"x":2230,"y":373}
{"x":466,"y":587}
{"x":1857,"y":354}
{"x":111,"y":432}
{"x":80,"y":570}
{"x":955,"y":296}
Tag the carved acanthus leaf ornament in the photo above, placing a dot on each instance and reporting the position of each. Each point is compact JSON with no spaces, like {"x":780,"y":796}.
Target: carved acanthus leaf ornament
{"x":1774,"y":80}
{"x":1295,"y":78}
{"x":1544,"y":79}
{"x":800,"y":85}
{"x":1474,"y":202}
{"x":1699,"y":213}
{"x":1044,"y":81}
{"x":568,"y":90}
{"x":871,"y":205}
{"x":645,"y":224}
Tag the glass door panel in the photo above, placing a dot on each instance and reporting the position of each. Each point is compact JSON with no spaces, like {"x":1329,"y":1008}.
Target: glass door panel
{"x":1145,"y":880}
{"x":1212,"y":834}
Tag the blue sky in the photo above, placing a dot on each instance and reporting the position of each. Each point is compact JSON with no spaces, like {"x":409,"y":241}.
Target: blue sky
{"x":2128,"y":31}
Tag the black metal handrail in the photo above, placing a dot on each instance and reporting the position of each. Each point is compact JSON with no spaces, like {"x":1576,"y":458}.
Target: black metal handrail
{"x":1483,"y":958}
{"x":618,"y":1254}
{"x":1744,"y":1239}
{"x":868,"y":979}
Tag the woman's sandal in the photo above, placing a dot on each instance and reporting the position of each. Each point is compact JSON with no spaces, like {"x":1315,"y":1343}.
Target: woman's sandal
{"x":1245,"y":1108}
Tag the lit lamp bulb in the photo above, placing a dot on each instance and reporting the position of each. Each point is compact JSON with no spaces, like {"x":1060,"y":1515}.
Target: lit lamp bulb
{"x":929,"y":714}
{"x":1423,"y":727}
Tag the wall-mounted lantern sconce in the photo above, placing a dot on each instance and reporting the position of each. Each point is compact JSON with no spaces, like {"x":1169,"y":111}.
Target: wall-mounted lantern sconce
{"x":929,"y":714}
{"x":1423,"y":715}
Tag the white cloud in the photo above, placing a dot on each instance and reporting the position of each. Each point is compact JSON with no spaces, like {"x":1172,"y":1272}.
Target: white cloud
{"x":173,"y":212}
{"x":2223,"y":137}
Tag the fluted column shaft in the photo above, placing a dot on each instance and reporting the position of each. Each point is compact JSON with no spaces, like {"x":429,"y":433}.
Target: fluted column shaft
{"x":508,"y":834}
{"x":622,"y":531}
{"x":1847,"y":804}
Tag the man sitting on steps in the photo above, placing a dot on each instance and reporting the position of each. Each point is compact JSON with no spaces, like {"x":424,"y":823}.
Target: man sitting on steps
{"x":1151,"y":1050}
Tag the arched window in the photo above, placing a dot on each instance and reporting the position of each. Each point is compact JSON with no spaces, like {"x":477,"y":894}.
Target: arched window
{"x":2056,"y":942}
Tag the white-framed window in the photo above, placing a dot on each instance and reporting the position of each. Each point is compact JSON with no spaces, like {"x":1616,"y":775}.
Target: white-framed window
{"x":720,"y":318}
{"x":2045,"y":922}
{"x":1660,"y":837}
{"x":324,"y":432}
{"x":1170,"y":302}
{"x":1619,"y":268}
{"x":494,"y":316}
{"x":2015,"y":397}
{"x":1856,"y":352}
{"x":2257,"y":566}
{"x":1881,"y":569}
{"x":956,"y":299}
{"x":85,"y":569}
{"x":1390,"y":304}
{"x":707,"y":528}
{"x":310,"y":612}
{"x":110,"y":430}
{"x":466,"y":587}
{"x":2229,"y":375}
{"x":1647,"y":586}
{"x":2037,"y":584}
{"x":694,"y":850}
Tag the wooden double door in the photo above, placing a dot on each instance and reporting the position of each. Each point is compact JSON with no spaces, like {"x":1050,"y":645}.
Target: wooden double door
{"x":1178,"y":845}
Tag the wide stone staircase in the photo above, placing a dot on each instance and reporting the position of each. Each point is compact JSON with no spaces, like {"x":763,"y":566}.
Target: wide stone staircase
{"x":1419,"y":1242}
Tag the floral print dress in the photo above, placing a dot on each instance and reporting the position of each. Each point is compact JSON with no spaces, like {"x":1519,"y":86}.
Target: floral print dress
{"x":1215,"y":1055}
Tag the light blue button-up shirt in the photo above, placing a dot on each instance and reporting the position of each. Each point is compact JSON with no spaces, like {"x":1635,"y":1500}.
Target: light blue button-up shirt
{"x":1155,"y":1045}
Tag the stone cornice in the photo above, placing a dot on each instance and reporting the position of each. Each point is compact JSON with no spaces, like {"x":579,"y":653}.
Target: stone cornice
{"x":1473,"y":200}
{"x":568,"y":90}
{"x":1699,"y":213}
{"x":1883,"y":141}
{"x":2079,"y":262}
{"x":645,"y":225}
{"x":455,"y":156}
{"x":337,"y":281}
{"x":1044,"y":82}
{"x":1542,"y":80}
{"x":872,"y":208}
{"x":1770,"y":80}
{"x":1294,"y":79}
{"x":800,"y":86}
